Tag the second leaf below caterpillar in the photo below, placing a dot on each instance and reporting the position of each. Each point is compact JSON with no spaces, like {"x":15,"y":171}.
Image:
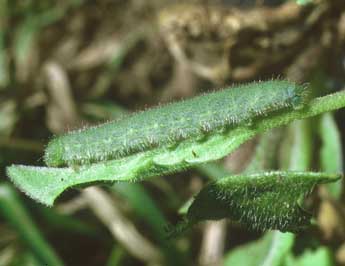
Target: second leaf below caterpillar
{"x":170,"y":124}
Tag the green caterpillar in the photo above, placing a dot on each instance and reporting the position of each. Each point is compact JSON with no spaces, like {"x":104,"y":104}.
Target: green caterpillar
{"x":168,"y":125}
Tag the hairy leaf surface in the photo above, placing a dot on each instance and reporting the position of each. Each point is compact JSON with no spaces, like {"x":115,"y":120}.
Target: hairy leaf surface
{"x":261,"y":201}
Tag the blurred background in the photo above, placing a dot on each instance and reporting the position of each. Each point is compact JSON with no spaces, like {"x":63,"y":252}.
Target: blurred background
{"x":70,"y":64}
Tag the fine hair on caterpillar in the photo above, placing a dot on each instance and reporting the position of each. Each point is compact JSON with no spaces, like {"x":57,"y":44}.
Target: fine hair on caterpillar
{"x":167,"y":126}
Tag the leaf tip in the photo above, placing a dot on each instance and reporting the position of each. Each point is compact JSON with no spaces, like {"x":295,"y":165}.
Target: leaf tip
{"x":21,"y":178}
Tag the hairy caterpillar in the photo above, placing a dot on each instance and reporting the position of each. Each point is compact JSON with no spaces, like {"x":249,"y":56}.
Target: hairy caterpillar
{"x":170,"y":124}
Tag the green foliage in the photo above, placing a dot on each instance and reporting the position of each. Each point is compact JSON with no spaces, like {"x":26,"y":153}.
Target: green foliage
{"x":331,"y":159}
{"x":13,"y":211}
{"x":320,"y":257}
{"x":260,"y":201}
{"x":138,"y":197}
{"x":304,"y":2}
{"x":110,"y":52}
{"x":45,"y":184}
{"x":300,"y":150}
{"x":264,"y":157}
{"x":115,"y":256}
{"x":270,"y":250}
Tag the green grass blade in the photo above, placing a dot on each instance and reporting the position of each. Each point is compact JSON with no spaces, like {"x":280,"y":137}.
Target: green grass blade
{"x":331,"y":155}
{"x":265,"y":155}
{"x":13,"y":211}
{"x":67,"y":223}
{"x":116,"y":256}
{"x":137,"y":196}
{"x":270,"y":250}
{"x":301,"y":148}
{"x":212,"y":170}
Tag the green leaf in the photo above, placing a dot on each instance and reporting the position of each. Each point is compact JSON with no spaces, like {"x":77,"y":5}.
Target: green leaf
{"x":304,"y":2}
{"x":13,"y":211}
{"x":331,"y":155}
{"x":270,"y":250}
{"x":320,"y":257}
{"x":261,"y":201}
{"x":46,"y":184}
{"x":116,"y":256}
{"x":274,"y":246}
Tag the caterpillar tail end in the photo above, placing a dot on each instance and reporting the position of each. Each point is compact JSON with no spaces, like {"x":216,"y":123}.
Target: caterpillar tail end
{"x":53,"y":155}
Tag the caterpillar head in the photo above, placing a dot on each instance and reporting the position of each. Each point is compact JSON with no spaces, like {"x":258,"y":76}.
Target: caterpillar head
{"x":297,"y":95}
